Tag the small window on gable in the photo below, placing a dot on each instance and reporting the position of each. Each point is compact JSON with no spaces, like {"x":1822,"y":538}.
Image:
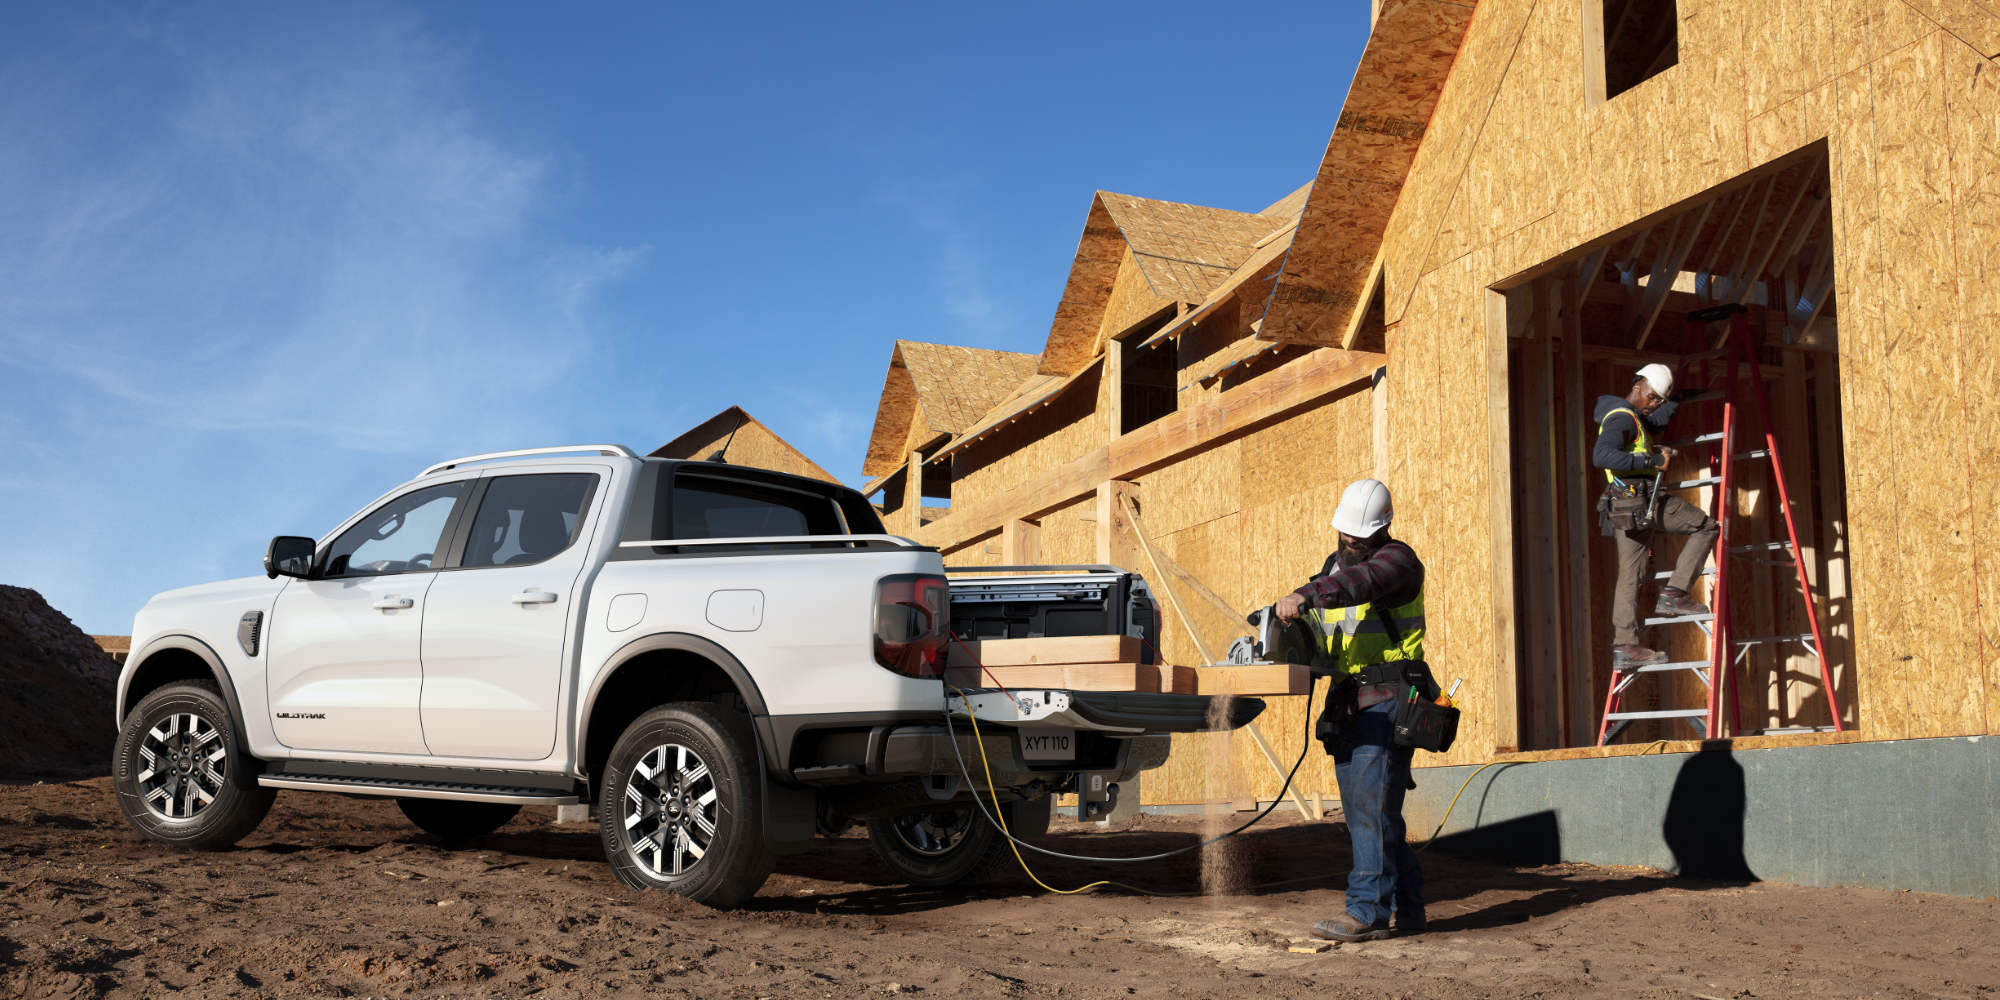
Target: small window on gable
{"x":1637,"y":39}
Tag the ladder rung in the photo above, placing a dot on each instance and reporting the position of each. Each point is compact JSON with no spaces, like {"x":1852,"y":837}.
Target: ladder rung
{"x":1677,"y":713}
{"x":1681,"y":620}
{"x":1755,"y":640}
{"x":1759,"y":453}
{"x":1654,"y":668}
{"x":1762,"y":547}
{"x":1688,"y":484}
{"x":1697,"y":439}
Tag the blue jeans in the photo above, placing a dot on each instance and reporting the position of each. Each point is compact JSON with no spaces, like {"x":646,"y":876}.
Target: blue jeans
{"x":1373,"y":775}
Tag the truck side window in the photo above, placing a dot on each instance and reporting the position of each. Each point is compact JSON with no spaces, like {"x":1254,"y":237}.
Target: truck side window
{"x":401,"y":536}
{"x":705,"y":507}
{"x":526,"y":519}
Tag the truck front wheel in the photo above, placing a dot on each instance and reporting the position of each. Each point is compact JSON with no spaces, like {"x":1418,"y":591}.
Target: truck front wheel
{"x":180,"y":778}
{"x":680,"y":807}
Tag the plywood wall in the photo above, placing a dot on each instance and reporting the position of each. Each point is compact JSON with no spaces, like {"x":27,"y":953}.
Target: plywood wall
{"x":1519,"y":168}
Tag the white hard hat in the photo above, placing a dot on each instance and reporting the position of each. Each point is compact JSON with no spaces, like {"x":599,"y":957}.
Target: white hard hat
{"x":1364,"y":509}
{"x":1660,"y":377}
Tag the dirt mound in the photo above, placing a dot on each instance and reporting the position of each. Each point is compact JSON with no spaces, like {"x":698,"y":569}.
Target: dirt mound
{"x":56,"y":693}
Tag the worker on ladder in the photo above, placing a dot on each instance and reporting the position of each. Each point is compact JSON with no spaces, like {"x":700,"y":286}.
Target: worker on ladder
{"x":1379,"y":581}
{"x":1630,"y":510}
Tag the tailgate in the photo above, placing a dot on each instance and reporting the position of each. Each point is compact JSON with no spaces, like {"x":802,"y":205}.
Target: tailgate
{"x":1115,"y":713}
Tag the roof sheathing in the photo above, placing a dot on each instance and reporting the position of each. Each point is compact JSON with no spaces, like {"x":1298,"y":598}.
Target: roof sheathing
{"x":1182,"y":251}
{"x":736,"y":433}
{"x":1388,"y":109}
{"x":945,"y":386}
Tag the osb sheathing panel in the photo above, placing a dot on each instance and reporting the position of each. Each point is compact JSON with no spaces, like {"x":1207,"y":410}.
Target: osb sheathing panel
{"x":1041,"y":441}
{"x":1900,"y":314}
{"x":1974,"y":22}
{"x":1972,"y":89}
{"x":1483,"y":57}
{"x":1388,"y":107}
{"x":1199,"y":488}
{"x":955,"y":385}
{"x":751,"y":444}
{"x":1069,"y":533}
{"x":1133,"y":298}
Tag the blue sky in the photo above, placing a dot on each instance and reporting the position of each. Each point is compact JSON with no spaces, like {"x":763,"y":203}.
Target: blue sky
{"x":261,"y":262}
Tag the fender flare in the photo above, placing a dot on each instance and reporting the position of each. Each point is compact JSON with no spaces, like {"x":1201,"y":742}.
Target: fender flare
{"x":731,"y":667}
{"x":215,"y":668}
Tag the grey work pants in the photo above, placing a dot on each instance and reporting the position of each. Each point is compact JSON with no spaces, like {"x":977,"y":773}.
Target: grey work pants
{"x":1676,"y":516}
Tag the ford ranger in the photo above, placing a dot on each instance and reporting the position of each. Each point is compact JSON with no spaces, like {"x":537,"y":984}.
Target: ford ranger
{"x":724,"y":662}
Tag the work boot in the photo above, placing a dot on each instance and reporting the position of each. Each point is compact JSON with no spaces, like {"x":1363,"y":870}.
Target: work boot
{"x":1675,"y":603}
{"x":1408,"y":923}
{"x":1346,"y":928}
{"x":1629,"y":655}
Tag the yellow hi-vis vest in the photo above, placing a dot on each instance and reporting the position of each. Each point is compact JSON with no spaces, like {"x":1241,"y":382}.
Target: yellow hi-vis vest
{"x":1640,"y":445}
{"x":1358,"y":636}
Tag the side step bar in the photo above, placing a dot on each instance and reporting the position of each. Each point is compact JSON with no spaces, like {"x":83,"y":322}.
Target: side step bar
{"x":406,"y":789}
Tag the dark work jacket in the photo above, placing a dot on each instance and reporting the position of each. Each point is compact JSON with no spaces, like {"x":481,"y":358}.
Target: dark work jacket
{"x":1616,"y":435}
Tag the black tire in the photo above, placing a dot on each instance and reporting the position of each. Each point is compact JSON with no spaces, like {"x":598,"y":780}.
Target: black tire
{"x":180,"y":775}
{"x":457,"y":822}
{"x":696,"y":823}
{"x":946,"y":844}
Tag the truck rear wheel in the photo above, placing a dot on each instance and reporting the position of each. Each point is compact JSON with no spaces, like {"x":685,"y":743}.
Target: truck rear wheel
{"x":681,"y":808}
{"x":456,"y":822}
{"x":179,"y":775}
{"x":943,"y":845}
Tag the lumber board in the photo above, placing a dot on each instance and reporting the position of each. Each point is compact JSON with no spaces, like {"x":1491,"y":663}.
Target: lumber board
{"x":1175,"y":679}
{"x":1255,"y":679}
{"x":1049,"y":649}
{"x":1061,"y":677}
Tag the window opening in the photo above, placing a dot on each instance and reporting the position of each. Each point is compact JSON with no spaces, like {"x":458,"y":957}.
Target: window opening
{"x":1640,"y":39}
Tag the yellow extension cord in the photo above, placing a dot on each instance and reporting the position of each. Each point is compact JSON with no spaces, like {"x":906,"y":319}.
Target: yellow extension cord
{"x":1000,"y":817}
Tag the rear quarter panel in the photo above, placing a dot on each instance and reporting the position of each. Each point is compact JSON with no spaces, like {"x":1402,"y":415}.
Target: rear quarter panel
{"x":813,"y":652}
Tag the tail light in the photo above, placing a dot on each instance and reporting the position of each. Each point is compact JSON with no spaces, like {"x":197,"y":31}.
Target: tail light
{"x":912,"y":623}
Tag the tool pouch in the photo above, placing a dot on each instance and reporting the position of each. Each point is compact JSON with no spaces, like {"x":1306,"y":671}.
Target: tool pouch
{"x":1338,"y":712}
{"x":1420,"y":721}
{"x":1623,"y":508}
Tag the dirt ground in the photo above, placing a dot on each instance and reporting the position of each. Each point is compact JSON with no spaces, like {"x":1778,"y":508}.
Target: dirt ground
{"x":340,"y":897}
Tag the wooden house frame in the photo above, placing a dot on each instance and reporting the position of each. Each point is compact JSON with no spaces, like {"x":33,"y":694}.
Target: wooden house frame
{"x":1519,"y":203}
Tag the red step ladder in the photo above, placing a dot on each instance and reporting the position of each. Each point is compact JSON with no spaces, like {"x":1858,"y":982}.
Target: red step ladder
{"x":1727,"y":652}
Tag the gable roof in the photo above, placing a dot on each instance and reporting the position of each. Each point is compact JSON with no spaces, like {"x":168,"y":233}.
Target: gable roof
{"x":744,"y":440}
{"x":944,"y":386}
{"x":1182,"y":252}
{"x":1321,"y":291}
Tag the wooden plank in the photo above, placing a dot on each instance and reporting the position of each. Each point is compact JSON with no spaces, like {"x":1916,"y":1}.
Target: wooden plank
{"x":1175,"y":679}
{"x":1579,"y":524}
{"x":1061,"y":676}
{"x":1017,"y":499}
{"x":1020,"y":543}
{"x":1255,"y":679}
{"x":1052,"y":649}
{"x":1293,"y":385}
{"x":1500,"y":540}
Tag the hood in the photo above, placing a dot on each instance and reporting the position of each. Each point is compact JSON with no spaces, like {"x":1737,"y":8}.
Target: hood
{"x":1605,"y":404}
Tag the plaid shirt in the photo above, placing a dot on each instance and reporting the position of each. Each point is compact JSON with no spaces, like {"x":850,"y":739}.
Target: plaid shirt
{"x":1393,"y":575}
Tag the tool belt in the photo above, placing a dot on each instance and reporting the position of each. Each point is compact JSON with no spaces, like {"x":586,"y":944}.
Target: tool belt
{"x":1626,"y":507}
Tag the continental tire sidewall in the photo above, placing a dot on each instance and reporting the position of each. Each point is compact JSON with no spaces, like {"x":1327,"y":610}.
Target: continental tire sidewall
{"x":240,"y":803}
{"x":737,"y":861}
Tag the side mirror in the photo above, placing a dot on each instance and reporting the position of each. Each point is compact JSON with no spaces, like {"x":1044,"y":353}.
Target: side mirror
{"x":289,"y":555}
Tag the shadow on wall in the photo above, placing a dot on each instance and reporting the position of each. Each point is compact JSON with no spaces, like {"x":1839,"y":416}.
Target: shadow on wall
{"x":1705,"y":813}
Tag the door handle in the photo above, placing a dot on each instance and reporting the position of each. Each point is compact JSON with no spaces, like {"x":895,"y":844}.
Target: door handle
{"x":393,"y":603}
{"x":533,"y":597}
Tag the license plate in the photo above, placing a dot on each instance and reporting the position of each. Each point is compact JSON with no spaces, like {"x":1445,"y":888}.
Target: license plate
{"x":1048,"y":744}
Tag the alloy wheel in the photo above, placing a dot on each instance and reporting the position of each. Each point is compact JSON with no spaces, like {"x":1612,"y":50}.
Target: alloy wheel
{"x":184,"y":762}
{"x":670,"y":810}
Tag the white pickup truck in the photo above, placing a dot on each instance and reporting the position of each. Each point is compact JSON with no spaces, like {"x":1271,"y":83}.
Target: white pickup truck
{"x":724,"y":661}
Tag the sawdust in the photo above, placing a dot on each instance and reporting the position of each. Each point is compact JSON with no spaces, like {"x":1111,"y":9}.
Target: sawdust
{"x":1221,"y":868}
